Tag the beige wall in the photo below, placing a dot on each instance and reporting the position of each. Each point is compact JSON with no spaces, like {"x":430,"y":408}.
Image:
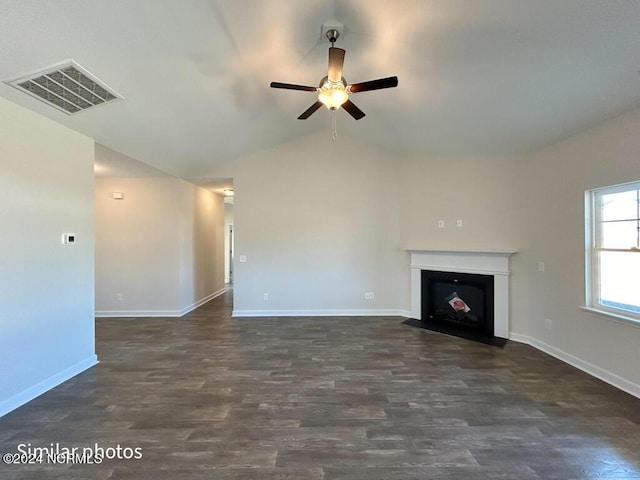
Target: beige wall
{"x":553,"y":205}
{"x":480,"y":191}
{"x":136,"y":245}
{"x":329,"y":221}
{"x":46,"y":288}
{"x":205,"y":240}
{"x":318,"y":223}
{"x":159,"y":248}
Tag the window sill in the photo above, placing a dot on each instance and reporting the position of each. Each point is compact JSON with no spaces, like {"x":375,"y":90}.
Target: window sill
{"x":633,"y":322}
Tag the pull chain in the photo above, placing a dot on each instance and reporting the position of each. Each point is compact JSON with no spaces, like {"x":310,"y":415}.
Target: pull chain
{"x":334,"y":134}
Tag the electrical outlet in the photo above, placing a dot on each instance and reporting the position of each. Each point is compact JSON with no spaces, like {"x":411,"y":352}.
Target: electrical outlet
{"x":459,"y":223}
{"x":440,"y":223}
{"x":548,"y":324}
{"x":243,"y":258}
{"x":369,"y":295}
{"x":119,"y":297}
{"x":265,"y":296}
{"x":541,"y":266}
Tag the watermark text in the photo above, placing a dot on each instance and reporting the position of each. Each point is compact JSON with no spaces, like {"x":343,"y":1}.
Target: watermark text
{"x":55,"y":453}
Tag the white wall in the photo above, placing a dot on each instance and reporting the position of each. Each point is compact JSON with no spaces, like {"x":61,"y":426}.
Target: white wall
{"x":160,"y":248}
{"x":318,"y":222}
{"x":46,"y":289}
{"x":553,"y":205}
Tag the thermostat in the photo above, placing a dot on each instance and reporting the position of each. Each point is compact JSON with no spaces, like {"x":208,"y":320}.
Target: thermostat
{"x":68,"y":238}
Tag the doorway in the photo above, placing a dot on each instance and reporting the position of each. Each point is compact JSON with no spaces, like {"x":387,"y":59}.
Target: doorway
{"x":228,"y":241}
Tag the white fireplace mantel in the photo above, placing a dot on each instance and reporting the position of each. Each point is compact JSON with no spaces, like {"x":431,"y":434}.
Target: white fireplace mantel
{"x":483,"y":262}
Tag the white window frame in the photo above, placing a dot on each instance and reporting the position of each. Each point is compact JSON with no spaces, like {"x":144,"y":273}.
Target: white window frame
{"x":592,"y":249}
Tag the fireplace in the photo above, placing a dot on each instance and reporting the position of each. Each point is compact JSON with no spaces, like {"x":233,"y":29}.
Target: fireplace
{"x":477,"y":265}
{"x":458,"y":303}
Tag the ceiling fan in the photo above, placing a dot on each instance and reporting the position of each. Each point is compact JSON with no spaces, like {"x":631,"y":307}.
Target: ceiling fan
{"x":333,"y":91}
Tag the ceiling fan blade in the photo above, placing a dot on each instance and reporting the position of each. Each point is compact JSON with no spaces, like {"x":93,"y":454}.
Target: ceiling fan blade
{"x":378,"y":84}
{"x":336,"y":61}
{"x":291,"y":86}
{"x":307,"y":113}
{"x":352,"y":110}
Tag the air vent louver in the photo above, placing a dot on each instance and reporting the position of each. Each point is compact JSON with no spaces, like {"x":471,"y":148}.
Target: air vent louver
{"x":67,"y":87}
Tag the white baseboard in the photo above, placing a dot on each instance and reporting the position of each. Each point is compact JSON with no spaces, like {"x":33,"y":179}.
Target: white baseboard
{"x":600,"y":373}
{"x":158,"y":313}
{"x":201,"y":302}
{"x":46,"y":385}
{"x":518,"y":337}
{"x":322,"y":313}
{"x":136,"y":313}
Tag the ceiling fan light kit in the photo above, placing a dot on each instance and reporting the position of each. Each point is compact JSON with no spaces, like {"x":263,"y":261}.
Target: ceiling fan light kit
{"x":332,"y":94}
{"x":333,"y":91}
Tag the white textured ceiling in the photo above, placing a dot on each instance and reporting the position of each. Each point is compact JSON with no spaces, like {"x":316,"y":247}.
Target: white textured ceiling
{"x":481,"y":76}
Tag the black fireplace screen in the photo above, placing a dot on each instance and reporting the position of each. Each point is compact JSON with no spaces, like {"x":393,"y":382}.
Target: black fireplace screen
{"x":461,"y":299}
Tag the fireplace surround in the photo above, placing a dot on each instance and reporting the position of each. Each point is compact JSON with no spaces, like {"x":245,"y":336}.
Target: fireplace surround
{"x":491,"y":263}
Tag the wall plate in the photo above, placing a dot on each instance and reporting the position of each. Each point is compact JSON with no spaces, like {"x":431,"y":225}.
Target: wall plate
{"x":68,"y":238}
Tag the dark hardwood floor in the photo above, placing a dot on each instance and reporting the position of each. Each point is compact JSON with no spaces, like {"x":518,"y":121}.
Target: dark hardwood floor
{"x":211,"y":397}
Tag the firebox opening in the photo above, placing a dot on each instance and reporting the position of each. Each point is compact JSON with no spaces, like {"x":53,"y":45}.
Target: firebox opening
{"x":458,"y":304}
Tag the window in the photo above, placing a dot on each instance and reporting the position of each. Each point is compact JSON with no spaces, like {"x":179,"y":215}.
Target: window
{"x":613,"y":249}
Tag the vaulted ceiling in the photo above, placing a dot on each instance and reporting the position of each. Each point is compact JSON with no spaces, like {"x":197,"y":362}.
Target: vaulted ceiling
{"x":475,"y":76}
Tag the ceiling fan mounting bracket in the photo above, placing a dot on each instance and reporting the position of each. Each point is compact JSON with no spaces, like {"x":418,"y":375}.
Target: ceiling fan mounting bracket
{"x":332,"y":26}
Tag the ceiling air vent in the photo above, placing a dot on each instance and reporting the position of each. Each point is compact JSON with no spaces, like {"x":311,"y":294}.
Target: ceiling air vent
{"x":67,"y":87}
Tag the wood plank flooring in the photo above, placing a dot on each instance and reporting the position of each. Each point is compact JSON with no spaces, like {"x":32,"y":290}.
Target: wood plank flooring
{"x":211,"y":397}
